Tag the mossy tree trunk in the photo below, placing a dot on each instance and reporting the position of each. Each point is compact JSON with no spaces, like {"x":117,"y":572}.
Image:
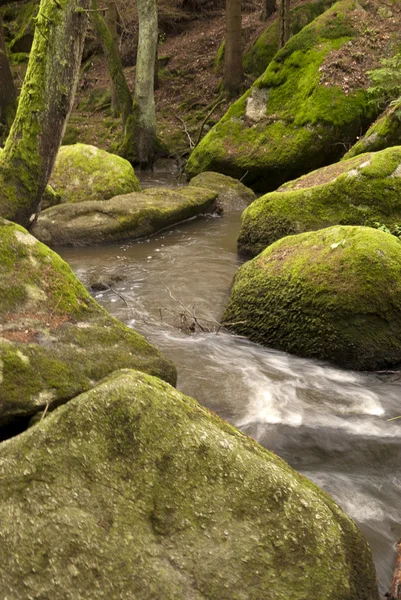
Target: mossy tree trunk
{"x":270,"y":7}
{"x":233,"y":71}
{"x":8,"y":94}
{"x":119,"y":87}
{"x":284,"y":22}
{"x":44,"y":106}
{"x":111,"y":22}
{"x":139,"y":143}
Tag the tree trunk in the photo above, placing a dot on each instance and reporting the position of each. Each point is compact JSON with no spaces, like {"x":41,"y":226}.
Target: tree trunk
{"x":284,"y":22}
{"x":8,"y":95}
{"x":45,"y":103}
{"x":119,"y":88}
{"x":111,"y":22}
{"x":269,"y":8}
{"x":139,"y":143}
{"x":233,"y":72}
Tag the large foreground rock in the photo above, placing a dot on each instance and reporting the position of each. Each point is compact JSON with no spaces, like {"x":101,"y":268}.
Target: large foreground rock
{"x":332,"y":294}
{"x":130,"y":216}
{"x":365,"y":190}
{"x":55,"y":340}
{"x":310,"y":101}
{"x":83,"y":172}
{"x":132,"y":490}
{"x":233,"y":195}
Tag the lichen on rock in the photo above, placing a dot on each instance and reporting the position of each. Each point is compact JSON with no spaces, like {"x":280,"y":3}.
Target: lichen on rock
{"x":332,"y":294}
{"x":125,"y":217}
{"x":83,"y":173}
{"x":133,"y":490}
{"x":55,"y":340}
{"x":364,"y":190}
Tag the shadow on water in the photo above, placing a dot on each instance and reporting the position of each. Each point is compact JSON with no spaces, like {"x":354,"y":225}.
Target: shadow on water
{"x":328,"y":423}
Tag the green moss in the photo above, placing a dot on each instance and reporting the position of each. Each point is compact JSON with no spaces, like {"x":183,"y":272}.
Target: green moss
{"x":149,"y":495}
{"x":303,"y":117}
{"x":84,"y":172}
{"x":332,"y":294}
{"x":219,"y":60}
{"x":360,"y":191}
{"x":258,"y":57}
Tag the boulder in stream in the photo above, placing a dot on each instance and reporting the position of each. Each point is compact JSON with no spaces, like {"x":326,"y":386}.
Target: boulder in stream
{"x":83,"y":172}
{"x":55,"y":340}
{"x":311,"y":100}
{"x":332,"y":294}
{"x":232,"y":194}
{"x":133,"y":490}
{"x":365,"y":190}
{"x":126,"y":217}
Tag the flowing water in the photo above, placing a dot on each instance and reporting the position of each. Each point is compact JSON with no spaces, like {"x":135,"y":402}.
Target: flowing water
{"x":330,"y":424}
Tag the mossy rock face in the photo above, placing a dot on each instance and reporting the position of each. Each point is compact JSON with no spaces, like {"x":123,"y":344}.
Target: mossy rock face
{"x":384,"y":133}
{"x":83,"y":173}
{"x":332,"y":294}
{"x":293,"y":119}
{"x":55,"y":340}
{"x":259,"y":56}
{"x":232,"y":194}
{"x":135,"y":491}
{"x":130,"y":216}
{"x":365,"y":190}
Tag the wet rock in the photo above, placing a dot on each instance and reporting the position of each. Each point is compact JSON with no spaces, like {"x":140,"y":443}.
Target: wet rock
{"x":126,"y":217}
{"x":332,"y":294}
{"x":55,"y":340}
{"x":365,"y":190}
{"x":232,"y":194}
{"x":133,"y":490}
{"x":84,"y":173}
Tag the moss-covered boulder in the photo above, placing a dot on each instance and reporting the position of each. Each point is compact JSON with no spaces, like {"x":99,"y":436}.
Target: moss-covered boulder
{"x":55,"y":340}
{"x":130,"y":216}
{"x":83,"y":173}
{"x":332,"y":294}
{"x":365,"y":190}
{"x":385,"y":132}
{"x":133,"y":490}
{"x":258,"y":57}
{"x":231,"y":193}
{"x":307,"y":104}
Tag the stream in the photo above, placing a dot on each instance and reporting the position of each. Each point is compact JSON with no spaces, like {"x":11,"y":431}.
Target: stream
{"x":329,"y":424}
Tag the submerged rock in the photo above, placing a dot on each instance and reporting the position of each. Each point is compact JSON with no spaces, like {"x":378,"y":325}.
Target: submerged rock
{"x":232,"y":194}
{"x":84,"y":173}
{"x":133,"y":490}
{"x":332,"y":294}
{"x":55,"y":340}
{"x":300,"y":112}
{"x":365,"y":190}
{"x":130,"y":216}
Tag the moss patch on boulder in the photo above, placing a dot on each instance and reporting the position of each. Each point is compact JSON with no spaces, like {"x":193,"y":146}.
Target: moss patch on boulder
{"x":332,"y":294}
{"x":296,"y":114}
{"x":385,"y":132}
{"x":232,"y":194}
{"x":130,"y":216}
{"x":135,"y":491}
{"x":55,"y":340}
{"x":365,"y":190}
{"x":83,"y":173}
{"x":261,"y":53}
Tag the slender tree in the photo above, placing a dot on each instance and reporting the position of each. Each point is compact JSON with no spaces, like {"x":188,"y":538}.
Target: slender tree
{"x":44,"y":106}
{"x":119,"y":86}
{"x":284,"y":22}
{"x":8,"y":94}
{"x":111,"y":22}
{"x":139,"y":144}
{"x":233,"y":71}
{"x":270,"y":7}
